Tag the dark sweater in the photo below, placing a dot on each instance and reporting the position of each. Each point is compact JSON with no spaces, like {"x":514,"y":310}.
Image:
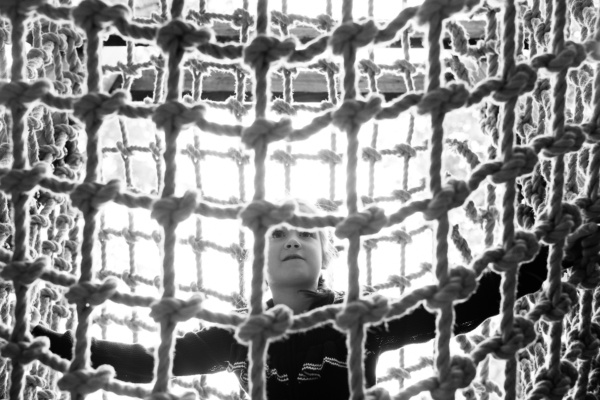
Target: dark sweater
{"x":307,"y":365}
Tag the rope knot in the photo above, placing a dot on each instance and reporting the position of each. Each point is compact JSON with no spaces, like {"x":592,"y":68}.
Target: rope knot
{"x":402,"y":237}
{"x":272,"y":324}
{"x":462,"y":373}
{"x":36,"y":219}
{"x":523,"y":333}
{"x":329,"y":157}
{"x":453,"y":194}
{"x":368,"y":67}
{"x":172,"y":210}
{"x":94,"y":15}
{"x":571,"y":56}
{"x":283,"y":107}
{"x":263,"y":132}
{"x":264,"y":50}
{"x":401,"y":195}
{"x":87,"y":381}
{"x":19,"y":7}
{"x":353,"y":113}
{"x":325,"y":22}
{"x":521,"y":80}
{"x":405,"y":150}
{"x":51,"y":246}
{"x":72,"y":36}
{"x":26,"y":352}
{"x":178,"y":35}
{"x":589,"y":207}
{"x":24,"y":181}
{"x":553,"y":230}
{"x":522,"y":162}
{"x":399,"y":281}
{"x":93,"y":107}
{"x":592,"y":131}
{"x":92,"y":294}
{"x":262,"y":214}
{"x":170,"y":310}
{"x":444,"y":99}
{"x":236,"y":107}
{"x":583,"y":250}
{"x":555,"y":310}
{"x":238,"y":156}
{"x":61,"y":311}
{"x":25,"y":272}
{"x":592,"y":49}
{"x":59,"y":41}
{"x":371,"y":154}
{"x":13,"y":93}
{"x":367,"y":310}
{"x":7,"y":229}
{"x":283,"y":157}
{"x":89,"y":196}
{"x":64,"y":222}
{"x":241,"y":17}
{"x":61,"y":264}
{"x":172,"y":115}
{"x":366,"y":222}
{"x":585,"y":342}
{"x":327,"y":66}
{"x":553,"y":384}
{"x":524,"y":248}
{"x":461,"y":283}
{"x":550,"y":146}
{"x":351,"y":35}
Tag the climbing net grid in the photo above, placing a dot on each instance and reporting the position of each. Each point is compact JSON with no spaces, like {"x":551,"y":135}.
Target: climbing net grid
{"x":540,"y":106}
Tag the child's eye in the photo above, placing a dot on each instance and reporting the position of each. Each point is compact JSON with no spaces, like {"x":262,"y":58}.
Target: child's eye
{"x":278,"y":234}
{"x":306,"y":234}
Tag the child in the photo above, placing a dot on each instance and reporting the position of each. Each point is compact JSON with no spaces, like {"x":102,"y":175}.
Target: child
{"x":306,"y":365}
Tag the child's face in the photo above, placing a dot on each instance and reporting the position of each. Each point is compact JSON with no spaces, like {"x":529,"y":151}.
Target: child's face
{"x":295,"y":259}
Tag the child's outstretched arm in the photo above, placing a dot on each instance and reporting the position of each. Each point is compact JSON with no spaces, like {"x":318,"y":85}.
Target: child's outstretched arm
{"x":202,"y":352}
{"x":419,"y":326}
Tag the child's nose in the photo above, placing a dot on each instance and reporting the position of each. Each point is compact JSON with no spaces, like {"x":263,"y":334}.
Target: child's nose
{"x":292,"y":243}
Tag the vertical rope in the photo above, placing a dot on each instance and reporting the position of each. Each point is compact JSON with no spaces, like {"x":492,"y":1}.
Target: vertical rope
{"x":258,"y":346}
{"x":406,"y":164}
{"x":356,"y":334}
{"x":445,"y":315}
{"x":557,"y":188}
{"x":197,"y":93}
{"x":288,"y":98}
{"x":240,"y":93}
{"x":81,"y":353}
{"x":167,"y":326}
{"x":509,"y":277}
{"x":372,"y":160}
{"x":332,"y":97}
{"x":490,"y":220}
{"x":20,"y":200}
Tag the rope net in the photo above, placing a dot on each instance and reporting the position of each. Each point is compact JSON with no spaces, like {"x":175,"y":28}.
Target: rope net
{"x":535,"y":86}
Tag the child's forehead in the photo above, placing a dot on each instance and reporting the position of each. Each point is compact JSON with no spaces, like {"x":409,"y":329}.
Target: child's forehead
{"x":288,"y":228}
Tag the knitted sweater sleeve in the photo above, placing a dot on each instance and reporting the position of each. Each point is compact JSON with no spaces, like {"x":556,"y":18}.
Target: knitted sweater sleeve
{"x":202,"y":352}
{"x":419,"y":325}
